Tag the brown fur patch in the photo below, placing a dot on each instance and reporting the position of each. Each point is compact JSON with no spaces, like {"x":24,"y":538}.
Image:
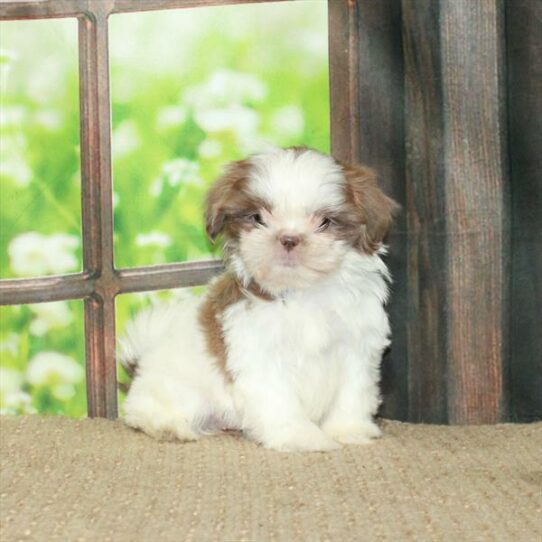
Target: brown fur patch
{"x":230,"y":204}
{"x":299,"y":150}
{"x":224,"y":292}
{"x":130,"y":367}
{"x":375,"y":211}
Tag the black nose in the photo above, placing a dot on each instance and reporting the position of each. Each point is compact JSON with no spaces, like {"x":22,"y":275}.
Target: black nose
{"x":289,"y":241}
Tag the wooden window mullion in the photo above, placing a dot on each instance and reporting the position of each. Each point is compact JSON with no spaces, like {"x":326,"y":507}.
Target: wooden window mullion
{"x":97,"y":212}
{"x":343,"y":80}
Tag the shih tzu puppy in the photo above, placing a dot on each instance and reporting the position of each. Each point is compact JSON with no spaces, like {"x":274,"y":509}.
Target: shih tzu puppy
{"x":287,"y":343}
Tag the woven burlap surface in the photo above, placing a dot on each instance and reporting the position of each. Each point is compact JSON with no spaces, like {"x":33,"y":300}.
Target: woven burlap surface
{"x":97,"y":480}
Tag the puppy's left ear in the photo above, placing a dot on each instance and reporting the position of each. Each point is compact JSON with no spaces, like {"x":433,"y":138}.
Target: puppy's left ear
{"x":225,"y":197}
{"x":376,"y":210}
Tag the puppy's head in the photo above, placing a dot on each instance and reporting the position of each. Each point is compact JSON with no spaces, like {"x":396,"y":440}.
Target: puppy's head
{"x":290,"y":215}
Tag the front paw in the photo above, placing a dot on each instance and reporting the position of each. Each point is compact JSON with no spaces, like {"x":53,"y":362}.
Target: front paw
{"x":359,"y":433}
{"x":301,"y":439}
{"x":162,"y":429}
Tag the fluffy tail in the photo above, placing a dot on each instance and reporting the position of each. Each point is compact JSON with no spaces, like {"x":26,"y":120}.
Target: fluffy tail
{"x":140,"y":335}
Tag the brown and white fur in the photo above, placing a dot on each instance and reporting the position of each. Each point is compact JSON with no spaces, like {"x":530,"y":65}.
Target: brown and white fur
{"x":287,"y":343}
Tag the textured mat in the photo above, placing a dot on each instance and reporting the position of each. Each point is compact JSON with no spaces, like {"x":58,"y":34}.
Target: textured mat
{"x":96,"y":480}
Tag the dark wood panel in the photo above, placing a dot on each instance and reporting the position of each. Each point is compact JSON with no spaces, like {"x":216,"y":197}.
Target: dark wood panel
{"x":524,"y":64}
{"x":381,"y":145}
{"x":457,"y":209}
{"x":426,"y":214}
{"x":476,"y":187}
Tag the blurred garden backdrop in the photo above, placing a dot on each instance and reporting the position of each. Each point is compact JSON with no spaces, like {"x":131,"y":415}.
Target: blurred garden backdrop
{"x":191,"y":90}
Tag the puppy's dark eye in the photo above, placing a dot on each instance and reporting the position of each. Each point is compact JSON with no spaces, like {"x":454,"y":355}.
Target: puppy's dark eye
{"x":256,"y":218}
{"x":324,"y":225}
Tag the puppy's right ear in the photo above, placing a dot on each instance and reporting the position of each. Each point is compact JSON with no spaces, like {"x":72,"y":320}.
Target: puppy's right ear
{"x":375,"y":209}
{"x":225,"y":197}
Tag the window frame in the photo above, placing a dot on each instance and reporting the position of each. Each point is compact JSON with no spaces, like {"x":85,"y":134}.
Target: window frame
{"x":100,"y":281}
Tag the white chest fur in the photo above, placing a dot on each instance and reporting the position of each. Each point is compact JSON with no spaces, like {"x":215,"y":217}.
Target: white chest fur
{"x":305,"y":344}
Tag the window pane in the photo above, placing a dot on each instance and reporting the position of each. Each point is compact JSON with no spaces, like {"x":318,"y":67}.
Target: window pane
{"x":42,"y":365}
{"x":40,"y":223}
{"x":193,"y":89}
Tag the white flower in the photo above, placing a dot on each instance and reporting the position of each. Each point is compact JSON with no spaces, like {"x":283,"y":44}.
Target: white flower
{"x":153,"y":238}
{"x":225,"y":88}
{"x":13,"y":159}
{"x":17,"y":170}
{"x":253,"y":145}
{"x":174,"y":173}
{"x":12,"y":399}
{"x":35,"y":254}
{"x":17,"y":403}
{"x":238,"y":119}
{"x":11,"y":115}
{"x":42,"y":84}
{"x":10,"y":344}
{"x":6,"y":59}
{"x":156,"y":187}
{"x":125,"y":90}
{"x":63,"y":391}
{"x":48,"y":119}
{"x":27,"y":254}
{"x":180,"y":171}
{"x":288,"y":121}
{"x":210,"y":148}
{"x":53,"y":368}
{"x":126,"y":139}
{"x":313,"y":42}
{"x":49,"y":316}
{"x":10,"y":381}
{"x":170,"y":116}
{"x":61,"y":248}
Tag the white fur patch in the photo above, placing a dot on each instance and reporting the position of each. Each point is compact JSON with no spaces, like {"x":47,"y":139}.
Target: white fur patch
{"x":294,"y":182}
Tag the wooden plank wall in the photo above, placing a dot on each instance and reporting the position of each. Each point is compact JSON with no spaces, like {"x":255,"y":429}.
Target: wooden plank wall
{"x":450,"y":109}
{"x":524,"y":78}
{"x":381,"y":113}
